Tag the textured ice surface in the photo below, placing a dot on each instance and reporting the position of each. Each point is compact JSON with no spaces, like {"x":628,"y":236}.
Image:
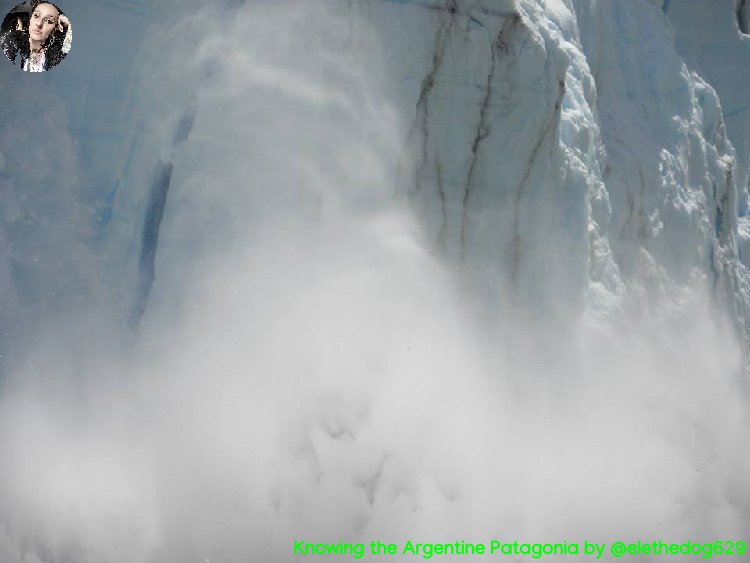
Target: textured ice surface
{"x":550,"y":151}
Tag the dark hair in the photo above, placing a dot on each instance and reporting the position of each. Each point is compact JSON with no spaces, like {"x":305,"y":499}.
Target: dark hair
{"x":54,"y":44}
{"x":35,"y":3}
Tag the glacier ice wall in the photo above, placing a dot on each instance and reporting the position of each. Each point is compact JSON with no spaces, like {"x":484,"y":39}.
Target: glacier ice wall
{"x":715,"y":42}
{"x":670,"y":170}
{"x":628,"y":156}
{"x":390,"y":269}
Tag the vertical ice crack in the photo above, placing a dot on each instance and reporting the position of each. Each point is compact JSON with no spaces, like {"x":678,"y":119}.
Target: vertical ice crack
{"x":441,"y":193}
{"x":157,"y":202}
{"x":721,"y":205}
{"x":547,"y":127}
{"x":150,"y":237}
{"x":631,"y":208}
{"x":158,"y":194}
{"x":721,"y":263}
{"x":643,"y":222}
{"x":501,"y":43}
{"x":421,"y":119}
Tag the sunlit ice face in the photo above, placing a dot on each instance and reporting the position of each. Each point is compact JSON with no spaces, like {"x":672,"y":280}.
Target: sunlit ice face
{"x":43,"y":22}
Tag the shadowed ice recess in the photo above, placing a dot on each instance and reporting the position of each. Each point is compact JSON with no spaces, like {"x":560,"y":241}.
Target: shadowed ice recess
{"x":359,"y":270}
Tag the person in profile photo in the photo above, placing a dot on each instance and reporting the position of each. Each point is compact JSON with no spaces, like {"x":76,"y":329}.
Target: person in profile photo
{"x":44,"y":43}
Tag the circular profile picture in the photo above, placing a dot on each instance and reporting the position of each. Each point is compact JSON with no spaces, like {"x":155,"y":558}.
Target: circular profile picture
{"x":36,"y":35}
